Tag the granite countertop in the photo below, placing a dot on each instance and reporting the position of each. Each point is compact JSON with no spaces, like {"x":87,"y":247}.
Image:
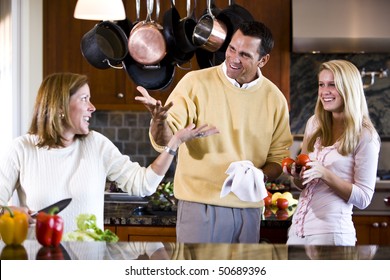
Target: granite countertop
{"x":137,"y":213}
{"x":32,"y":250}
{"x":125,"y":213}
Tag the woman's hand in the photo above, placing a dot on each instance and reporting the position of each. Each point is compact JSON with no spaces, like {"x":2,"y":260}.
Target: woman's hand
{"x":190,"y":132}
{"x":24,"y":210}
{"x":297,"y":176}
{"x":294,"y":171}
{"x":155,"y":107}
{"x":314,"y":170}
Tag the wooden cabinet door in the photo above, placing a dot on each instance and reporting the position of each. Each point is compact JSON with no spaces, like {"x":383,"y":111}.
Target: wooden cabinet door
{"x":146,"y":233}
{"x":62,"y":35}
{"x":372,"y":230}
{"x":112,"y":228}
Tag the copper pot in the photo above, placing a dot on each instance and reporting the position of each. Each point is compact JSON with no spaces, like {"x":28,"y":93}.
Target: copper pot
{"x":146,"y":42}
{"x":209,"y":32}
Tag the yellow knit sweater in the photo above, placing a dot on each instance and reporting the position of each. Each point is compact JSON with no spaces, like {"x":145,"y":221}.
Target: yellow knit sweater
{"x":253,"y":125}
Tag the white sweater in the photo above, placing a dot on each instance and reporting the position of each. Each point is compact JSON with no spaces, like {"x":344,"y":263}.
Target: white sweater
{"x":43,"y":176}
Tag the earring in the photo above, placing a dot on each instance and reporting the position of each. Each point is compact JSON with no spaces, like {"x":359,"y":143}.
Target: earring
{"x":62,"y":115}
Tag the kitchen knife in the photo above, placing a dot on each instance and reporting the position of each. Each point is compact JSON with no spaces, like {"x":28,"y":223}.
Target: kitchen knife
{"x":62,"y":204}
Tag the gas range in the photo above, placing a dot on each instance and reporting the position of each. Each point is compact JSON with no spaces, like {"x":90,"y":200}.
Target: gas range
{"x":383,"y":174}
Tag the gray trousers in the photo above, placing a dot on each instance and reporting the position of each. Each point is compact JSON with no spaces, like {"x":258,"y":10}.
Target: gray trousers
{"x":203,"y":223}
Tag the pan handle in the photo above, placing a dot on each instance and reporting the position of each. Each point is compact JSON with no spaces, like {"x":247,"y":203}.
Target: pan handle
{"x":149,"y":8}
{"x":188,"y":8}
{"x":137,"y":9}
{"x":157,"y":9}
{"x":209,"y":9}
{"x":112,"y":66}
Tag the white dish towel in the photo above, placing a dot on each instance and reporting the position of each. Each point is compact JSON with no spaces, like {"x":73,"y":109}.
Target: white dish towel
{"x":245,"y":181}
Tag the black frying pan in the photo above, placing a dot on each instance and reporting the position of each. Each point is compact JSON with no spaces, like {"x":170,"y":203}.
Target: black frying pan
{"x":185,"y":30}
{"x":151,"y":77}
{"x":170,"y":23}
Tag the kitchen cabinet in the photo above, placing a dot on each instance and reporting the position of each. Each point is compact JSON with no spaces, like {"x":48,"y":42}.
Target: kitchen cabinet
{"x":372,"y":229}
{"x":112,"y":89}
{"x":274,"y":235}
{"x":146,"y":233}
{"x":112,"y":228}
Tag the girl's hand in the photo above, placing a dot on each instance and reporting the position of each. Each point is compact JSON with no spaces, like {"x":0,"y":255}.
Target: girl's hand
{"x":314,"y":170}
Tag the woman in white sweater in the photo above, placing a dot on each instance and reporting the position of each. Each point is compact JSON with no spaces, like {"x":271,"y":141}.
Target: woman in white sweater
{"x":60,"y":157}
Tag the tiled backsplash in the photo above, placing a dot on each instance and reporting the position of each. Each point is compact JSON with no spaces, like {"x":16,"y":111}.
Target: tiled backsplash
{"x":129,"y":130}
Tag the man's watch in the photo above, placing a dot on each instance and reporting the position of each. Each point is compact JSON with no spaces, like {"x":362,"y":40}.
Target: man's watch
{"x":170,"y":151}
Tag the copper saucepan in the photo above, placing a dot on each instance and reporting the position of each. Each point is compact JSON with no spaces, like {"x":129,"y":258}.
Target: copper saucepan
{"x":209,"y":32}
{"x":146,"y":42}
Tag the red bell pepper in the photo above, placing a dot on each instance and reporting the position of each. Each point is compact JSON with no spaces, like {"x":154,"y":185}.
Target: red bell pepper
{"x":49,"y":228}
{"x":50,"y":253}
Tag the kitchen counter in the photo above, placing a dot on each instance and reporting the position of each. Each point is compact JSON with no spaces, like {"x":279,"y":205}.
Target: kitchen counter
{"x":31,"y":249}
{"x":133,"y":221}
{"x":126,"y":213}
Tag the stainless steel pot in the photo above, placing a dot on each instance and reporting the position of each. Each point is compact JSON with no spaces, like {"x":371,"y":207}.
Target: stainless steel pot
{"x":209,"y":32}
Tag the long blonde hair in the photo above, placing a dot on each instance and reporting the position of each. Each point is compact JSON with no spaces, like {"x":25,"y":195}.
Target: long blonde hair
{"x":349,"y":84}
{"x":51,"y":110}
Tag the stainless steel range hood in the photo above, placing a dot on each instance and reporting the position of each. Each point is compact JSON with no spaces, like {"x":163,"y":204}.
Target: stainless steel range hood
{"x":341,"y":26}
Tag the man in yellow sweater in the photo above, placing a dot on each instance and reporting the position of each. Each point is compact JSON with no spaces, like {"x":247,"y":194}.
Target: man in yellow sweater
{"x":252,"y":117}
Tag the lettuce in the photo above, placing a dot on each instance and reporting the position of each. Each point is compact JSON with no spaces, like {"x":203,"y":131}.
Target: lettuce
{"x":87,"y":230}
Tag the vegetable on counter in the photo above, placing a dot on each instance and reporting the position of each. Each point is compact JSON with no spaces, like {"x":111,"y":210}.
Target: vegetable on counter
{"x":13,"y":226}
{"x":87,"y":230}
{"x":49,"y":228}
{"x":14,"y":252}
{"x":50,"y":253}
{"x":163,"y":199}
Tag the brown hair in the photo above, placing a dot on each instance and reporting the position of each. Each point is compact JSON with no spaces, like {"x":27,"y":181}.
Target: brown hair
{"x":51,"y":110}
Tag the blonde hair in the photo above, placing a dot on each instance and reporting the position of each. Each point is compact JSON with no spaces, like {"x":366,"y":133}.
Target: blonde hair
{"x":51,"y":109}
{"x":349,"y":84}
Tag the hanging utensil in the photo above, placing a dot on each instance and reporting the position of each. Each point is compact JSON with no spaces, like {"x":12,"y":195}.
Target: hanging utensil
{"x":146,"y":42}
{"x":209,"y":32}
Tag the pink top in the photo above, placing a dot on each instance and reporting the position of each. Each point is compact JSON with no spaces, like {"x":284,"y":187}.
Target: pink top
{"x":320,"y":210}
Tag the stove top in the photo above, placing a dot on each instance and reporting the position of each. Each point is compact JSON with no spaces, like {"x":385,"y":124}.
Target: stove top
{"x":383,"y":174}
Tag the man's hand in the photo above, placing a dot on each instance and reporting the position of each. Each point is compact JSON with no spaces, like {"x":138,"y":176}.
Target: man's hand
{"x":159,"y":112}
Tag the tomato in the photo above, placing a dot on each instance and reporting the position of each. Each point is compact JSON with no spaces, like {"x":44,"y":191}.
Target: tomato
{"x":275,"y":197}
{"x":267,"y":201}
{"x":302,"y":159}
{"x":269,"y":193}
{"x":282,"y":203}
{"x":267,"y":212}
{"x":287,"y":162}
{"x":282,"y":214}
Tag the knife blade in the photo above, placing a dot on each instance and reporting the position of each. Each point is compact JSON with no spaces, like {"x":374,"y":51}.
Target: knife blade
{"x":62,"y":204}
